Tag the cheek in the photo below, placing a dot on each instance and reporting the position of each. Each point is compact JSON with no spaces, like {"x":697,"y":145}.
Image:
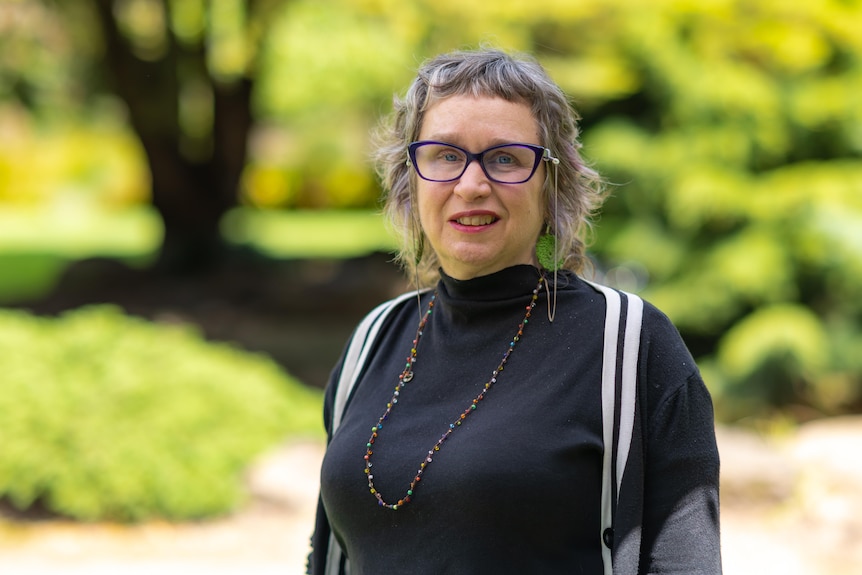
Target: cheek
{"x":534,"y":208}
{"x":429,"y":203}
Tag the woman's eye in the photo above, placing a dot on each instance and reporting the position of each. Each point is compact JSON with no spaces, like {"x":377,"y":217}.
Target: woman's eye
{"x":504,"y":160}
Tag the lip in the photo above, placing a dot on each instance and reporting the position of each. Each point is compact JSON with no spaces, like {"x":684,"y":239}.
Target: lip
{"x":492,"y":218}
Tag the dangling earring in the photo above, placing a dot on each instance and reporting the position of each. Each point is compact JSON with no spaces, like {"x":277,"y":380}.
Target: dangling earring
{"x":546,"y":247}
{"x":546,"y":250}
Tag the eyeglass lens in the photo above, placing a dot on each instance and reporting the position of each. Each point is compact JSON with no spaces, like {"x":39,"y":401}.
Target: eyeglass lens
{"x":512,"y":163}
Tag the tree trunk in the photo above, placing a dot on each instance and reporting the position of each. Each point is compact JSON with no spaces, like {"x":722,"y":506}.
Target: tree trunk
{"x":191,"y":192}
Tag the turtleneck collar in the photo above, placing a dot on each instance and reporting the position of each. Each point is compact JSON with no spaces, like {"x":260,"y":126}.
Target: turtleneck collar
{"x":467,"y":300}
{"x":506,"y":284}
{"x":485,"y":296}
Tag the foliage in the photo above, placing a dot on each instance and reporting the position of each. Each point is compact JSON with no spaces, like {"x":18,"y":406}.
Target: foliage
{"x":741,"y":203}
{"x":104,"y":416}
{"x":66,"y":166}
{"x":61,"y":141}
{"x":38,"y":67}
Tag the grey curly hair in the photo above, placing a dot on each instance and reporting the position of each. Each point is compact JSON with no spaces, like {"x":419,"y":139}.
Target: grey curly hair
{"x":487,"y":73}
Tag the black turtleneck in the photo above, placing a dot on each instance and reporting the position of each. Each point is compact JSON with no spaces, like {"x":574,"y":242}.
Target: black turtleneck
{"x":516,"y":488}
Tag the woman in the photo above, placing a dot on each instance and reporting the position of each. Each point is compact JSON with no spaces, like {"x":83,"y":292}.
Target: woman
{"x":483,"y":451}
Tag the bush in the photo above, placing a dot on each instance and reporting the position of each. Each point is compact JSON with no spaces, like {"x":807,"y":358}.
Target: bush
{"x":108,"y":417}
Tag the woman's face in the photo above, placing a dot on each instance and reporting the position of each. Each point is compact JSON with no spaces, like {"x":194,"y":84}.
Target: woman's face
{"x":475,"y":225}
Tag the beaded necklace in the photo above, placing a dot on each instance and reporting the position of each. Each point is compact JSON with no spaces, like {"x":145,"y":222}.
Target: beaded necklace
{"x":407,"y":375}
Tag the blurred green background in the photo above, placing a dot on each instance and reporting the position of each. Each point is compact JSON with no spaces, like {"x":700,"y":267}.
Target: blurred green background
{"x":206,"y":163}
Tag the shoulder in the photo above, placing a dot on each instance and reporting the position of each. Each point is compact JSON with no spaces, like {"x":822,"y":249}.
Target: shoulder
{"x":662,"y":343}
{"x":665,"y":364}
{"x":670,"y":375}
{"x":370,"y":324}
{"x":663,"y":357}
{"x":386,"y":307}
{"x":359,"y":345}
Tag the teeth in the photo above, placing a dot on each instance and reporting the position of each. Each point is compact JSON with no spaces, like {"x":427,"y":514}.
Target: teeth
{"x":476,"y":220}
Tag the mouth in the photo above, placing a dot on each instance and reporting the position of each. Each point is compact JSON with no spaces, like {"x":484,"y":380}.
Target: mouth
{"x":474,"y":221}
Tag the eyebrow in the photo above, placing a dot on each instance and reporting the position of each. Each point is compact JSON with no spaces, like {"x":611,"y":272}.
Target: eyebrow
{"x":454,"y":140}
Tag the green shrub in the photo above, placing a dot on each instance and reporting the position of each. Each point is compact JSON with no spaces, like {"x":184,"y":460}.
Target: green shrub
{"x":104,"y":416}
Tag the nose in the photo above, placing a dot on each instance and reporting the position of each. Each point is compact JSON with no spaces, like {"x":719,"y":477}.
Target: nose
{"x":473,"y":183}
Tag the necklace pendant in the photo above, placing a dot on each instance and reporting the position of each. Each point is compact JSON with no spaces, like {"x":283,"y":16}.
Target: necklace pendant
{"x":407,"y":376}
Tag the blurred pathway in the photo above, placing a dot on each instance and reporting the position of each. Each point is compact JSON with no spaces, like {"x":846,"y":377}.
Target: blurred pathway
{"x":788,"y":509}
{"x":270,"y":536}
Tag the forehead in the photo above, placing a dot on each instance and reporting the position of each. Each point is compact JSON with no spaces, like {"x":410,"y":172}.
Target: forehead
{"x":482,"y":120}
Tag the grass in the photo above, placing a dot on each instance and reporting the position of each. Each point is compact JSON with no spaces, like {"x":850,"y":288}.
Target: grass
{"x":298,"y":234}
{"x":28,"y":275}
{"x":37,"y":245}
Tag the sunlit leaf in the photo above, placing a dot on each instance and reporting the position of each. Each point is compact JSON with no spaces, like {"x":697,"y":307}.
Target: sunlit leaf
{"x":774,"y":330}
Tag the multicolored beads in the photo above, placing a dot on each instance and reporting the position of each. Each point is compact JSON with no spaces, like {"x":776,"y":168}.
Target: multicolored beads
{"x":407,"y":376}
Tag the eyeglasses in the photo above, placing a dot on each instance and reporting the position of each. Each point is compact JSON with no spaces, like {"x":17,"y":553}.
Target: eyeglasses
{"x":504,"y":164}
